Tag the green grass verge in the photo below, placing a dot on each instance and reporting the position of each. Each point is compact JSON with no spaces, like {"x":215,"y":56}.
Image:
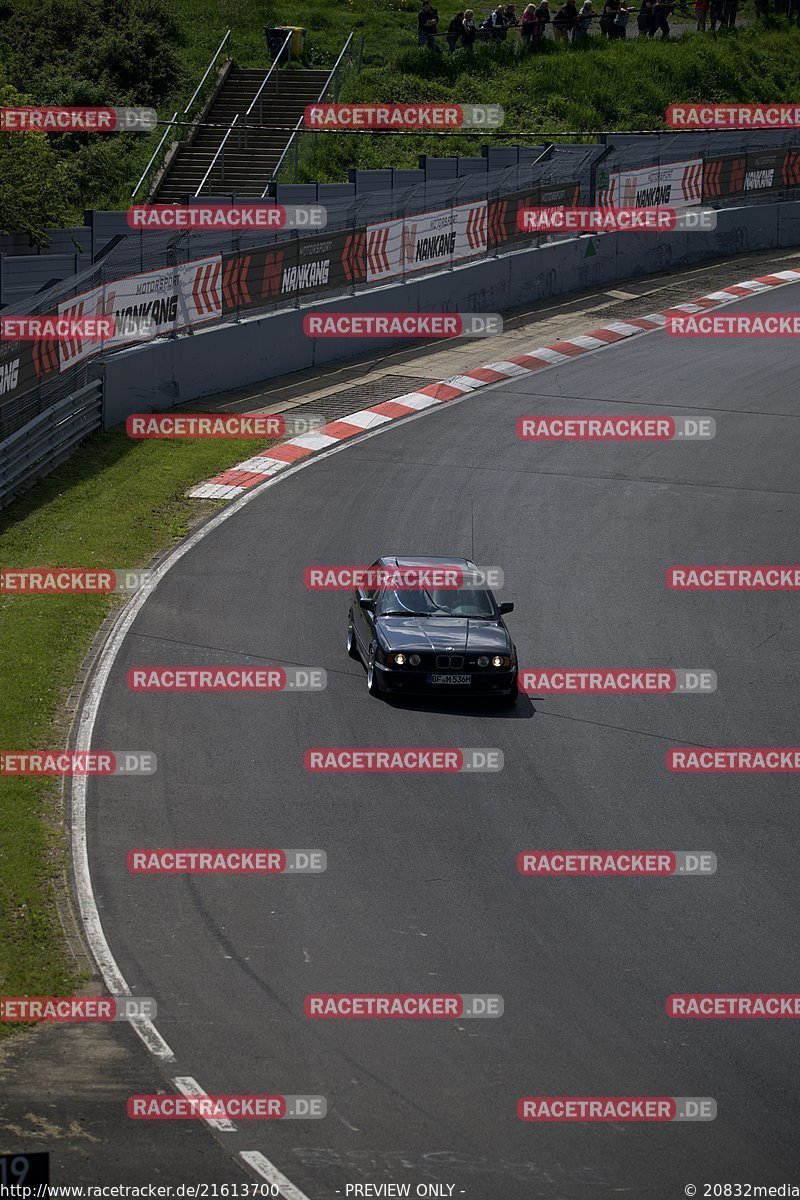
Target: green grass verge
{"x":115,"y":504}
{"x":602,"y":86}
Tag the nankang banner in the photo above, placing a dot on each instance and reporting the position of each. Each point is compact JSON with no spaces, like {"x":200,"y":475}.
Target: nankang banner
{"x":671,"y":185}
{"x":426,"y":240}
{"x":152,"y":303}
{"x":288,"y":269}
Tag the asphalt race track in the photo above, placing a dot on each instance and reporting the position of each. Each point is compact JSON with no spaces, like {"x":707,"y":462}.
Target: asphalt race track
{"x":422,"y":892}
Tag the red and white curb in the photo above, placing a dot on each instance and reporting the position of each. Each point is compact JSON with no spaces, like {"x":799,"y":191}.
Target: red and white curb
{"x":231,"y":483}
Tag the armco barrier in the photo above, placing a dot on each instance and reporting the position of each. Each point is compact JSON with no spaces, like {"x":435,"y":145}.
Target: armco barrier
{"x":46,"y":441}
{"x":179,"y":371}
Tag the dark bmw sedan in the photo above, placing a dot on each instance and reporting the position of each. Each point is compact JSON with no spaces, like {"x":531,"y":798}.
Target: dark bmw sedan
{"x":420,"y":638}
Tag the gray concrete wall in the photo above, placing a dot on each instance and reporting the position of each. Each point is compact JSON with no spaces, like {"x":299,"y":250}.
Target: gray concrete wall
{"x":186,"y":369}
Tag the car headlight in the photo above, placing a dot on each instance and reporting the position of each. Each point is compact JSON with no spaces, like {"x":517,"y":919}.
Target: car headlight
{"x":501,"y":660}
{"x":483,"y":661}
{"x":399,"y":660}
{"x":415,"y":660}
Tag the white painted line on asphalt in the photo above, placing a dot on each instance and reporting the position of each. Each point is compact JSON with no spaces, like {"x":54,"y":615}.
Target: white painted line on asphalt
{"x":190,"y":1087}
{"x":266,"y":1170}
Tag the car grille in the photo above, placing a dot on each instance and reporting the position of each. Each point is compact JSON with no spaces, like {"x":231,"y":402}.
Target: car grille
{"x":453,"y":661}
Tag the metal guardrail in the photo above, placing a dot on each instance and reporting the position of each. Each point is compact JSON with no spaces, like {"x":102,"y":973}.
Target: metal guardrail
{"x":220,"y":151}
{"x":258,"y":98}
{"x":37,"y":448}
{"x":335,"y":78}
{"x":181,"y":125}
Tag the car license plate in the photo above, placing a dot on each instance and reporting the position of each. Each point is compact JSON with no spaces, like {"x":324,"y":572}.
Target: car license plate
{"x":450,"y":679}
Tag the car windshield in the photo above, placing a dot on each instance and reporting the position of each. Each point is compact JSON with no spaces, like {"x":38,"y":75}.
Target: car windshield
{"x":436,"y":602}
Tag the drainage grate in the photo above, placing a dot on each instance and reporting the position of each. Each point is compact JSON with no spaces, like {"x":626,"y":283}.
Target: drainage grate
{"x":362,"y":395}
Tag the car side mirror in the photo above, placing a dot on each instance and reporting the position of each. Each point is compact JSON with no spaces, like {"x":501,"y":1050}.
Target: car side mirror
{"x":506,"y":607}
{"x":368,"y":604}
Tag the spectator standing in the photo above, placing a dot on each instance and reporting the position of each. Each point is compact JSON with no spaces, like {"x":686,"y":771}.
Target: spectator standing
{"x":661,"y":10}
{"x":729,"y":10}
{"x":543,"y":13}
{"x":427,"y":21}
{"x":794,"y":10}
{"x":608,"y":17}
{"x":623,"y":16}
{"x":454,"y":31}
{"x":529,"y":26}
{"x":470,"y":30}
{"x":715,"y":14}
{"x":581,"y":31}
{"x":512,"y":20}
{"x":565,"y":21}
{"x":498,"y":26}
{"x":701,"y":8}
{"x":645,"y":18}
{"x":762,"y":8}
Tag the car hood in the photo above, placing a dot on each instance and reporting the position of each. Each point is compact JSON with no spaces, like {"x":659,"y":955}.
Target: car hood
{"x":460,"y":634}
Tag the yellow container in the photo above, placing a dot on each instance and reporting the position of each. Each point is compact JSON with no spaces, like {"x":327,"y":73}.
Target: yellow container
{"x":298,"y":37}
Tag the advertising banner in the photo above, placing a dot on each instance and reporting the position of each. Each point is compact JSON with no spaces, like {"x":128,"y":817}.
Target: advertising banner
{"x":170,"y":298}
{"x":426,"y":240}
{"x":671,"y":185}
{"x":723,"y":176}
{"x":764,"y":171}
{"x":289,"y":269}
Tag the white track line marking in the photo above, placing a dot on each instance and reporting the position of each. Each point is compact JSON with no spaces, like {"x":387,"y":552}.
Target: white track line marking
{"x":190,"y":1087}
{"x":256,"y":1160}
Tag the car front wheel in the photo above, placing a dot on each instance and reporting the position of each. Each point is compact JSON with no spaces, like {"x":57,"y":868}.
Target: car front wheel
{"x":372,"y":677}
{"x":352,"y":648}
